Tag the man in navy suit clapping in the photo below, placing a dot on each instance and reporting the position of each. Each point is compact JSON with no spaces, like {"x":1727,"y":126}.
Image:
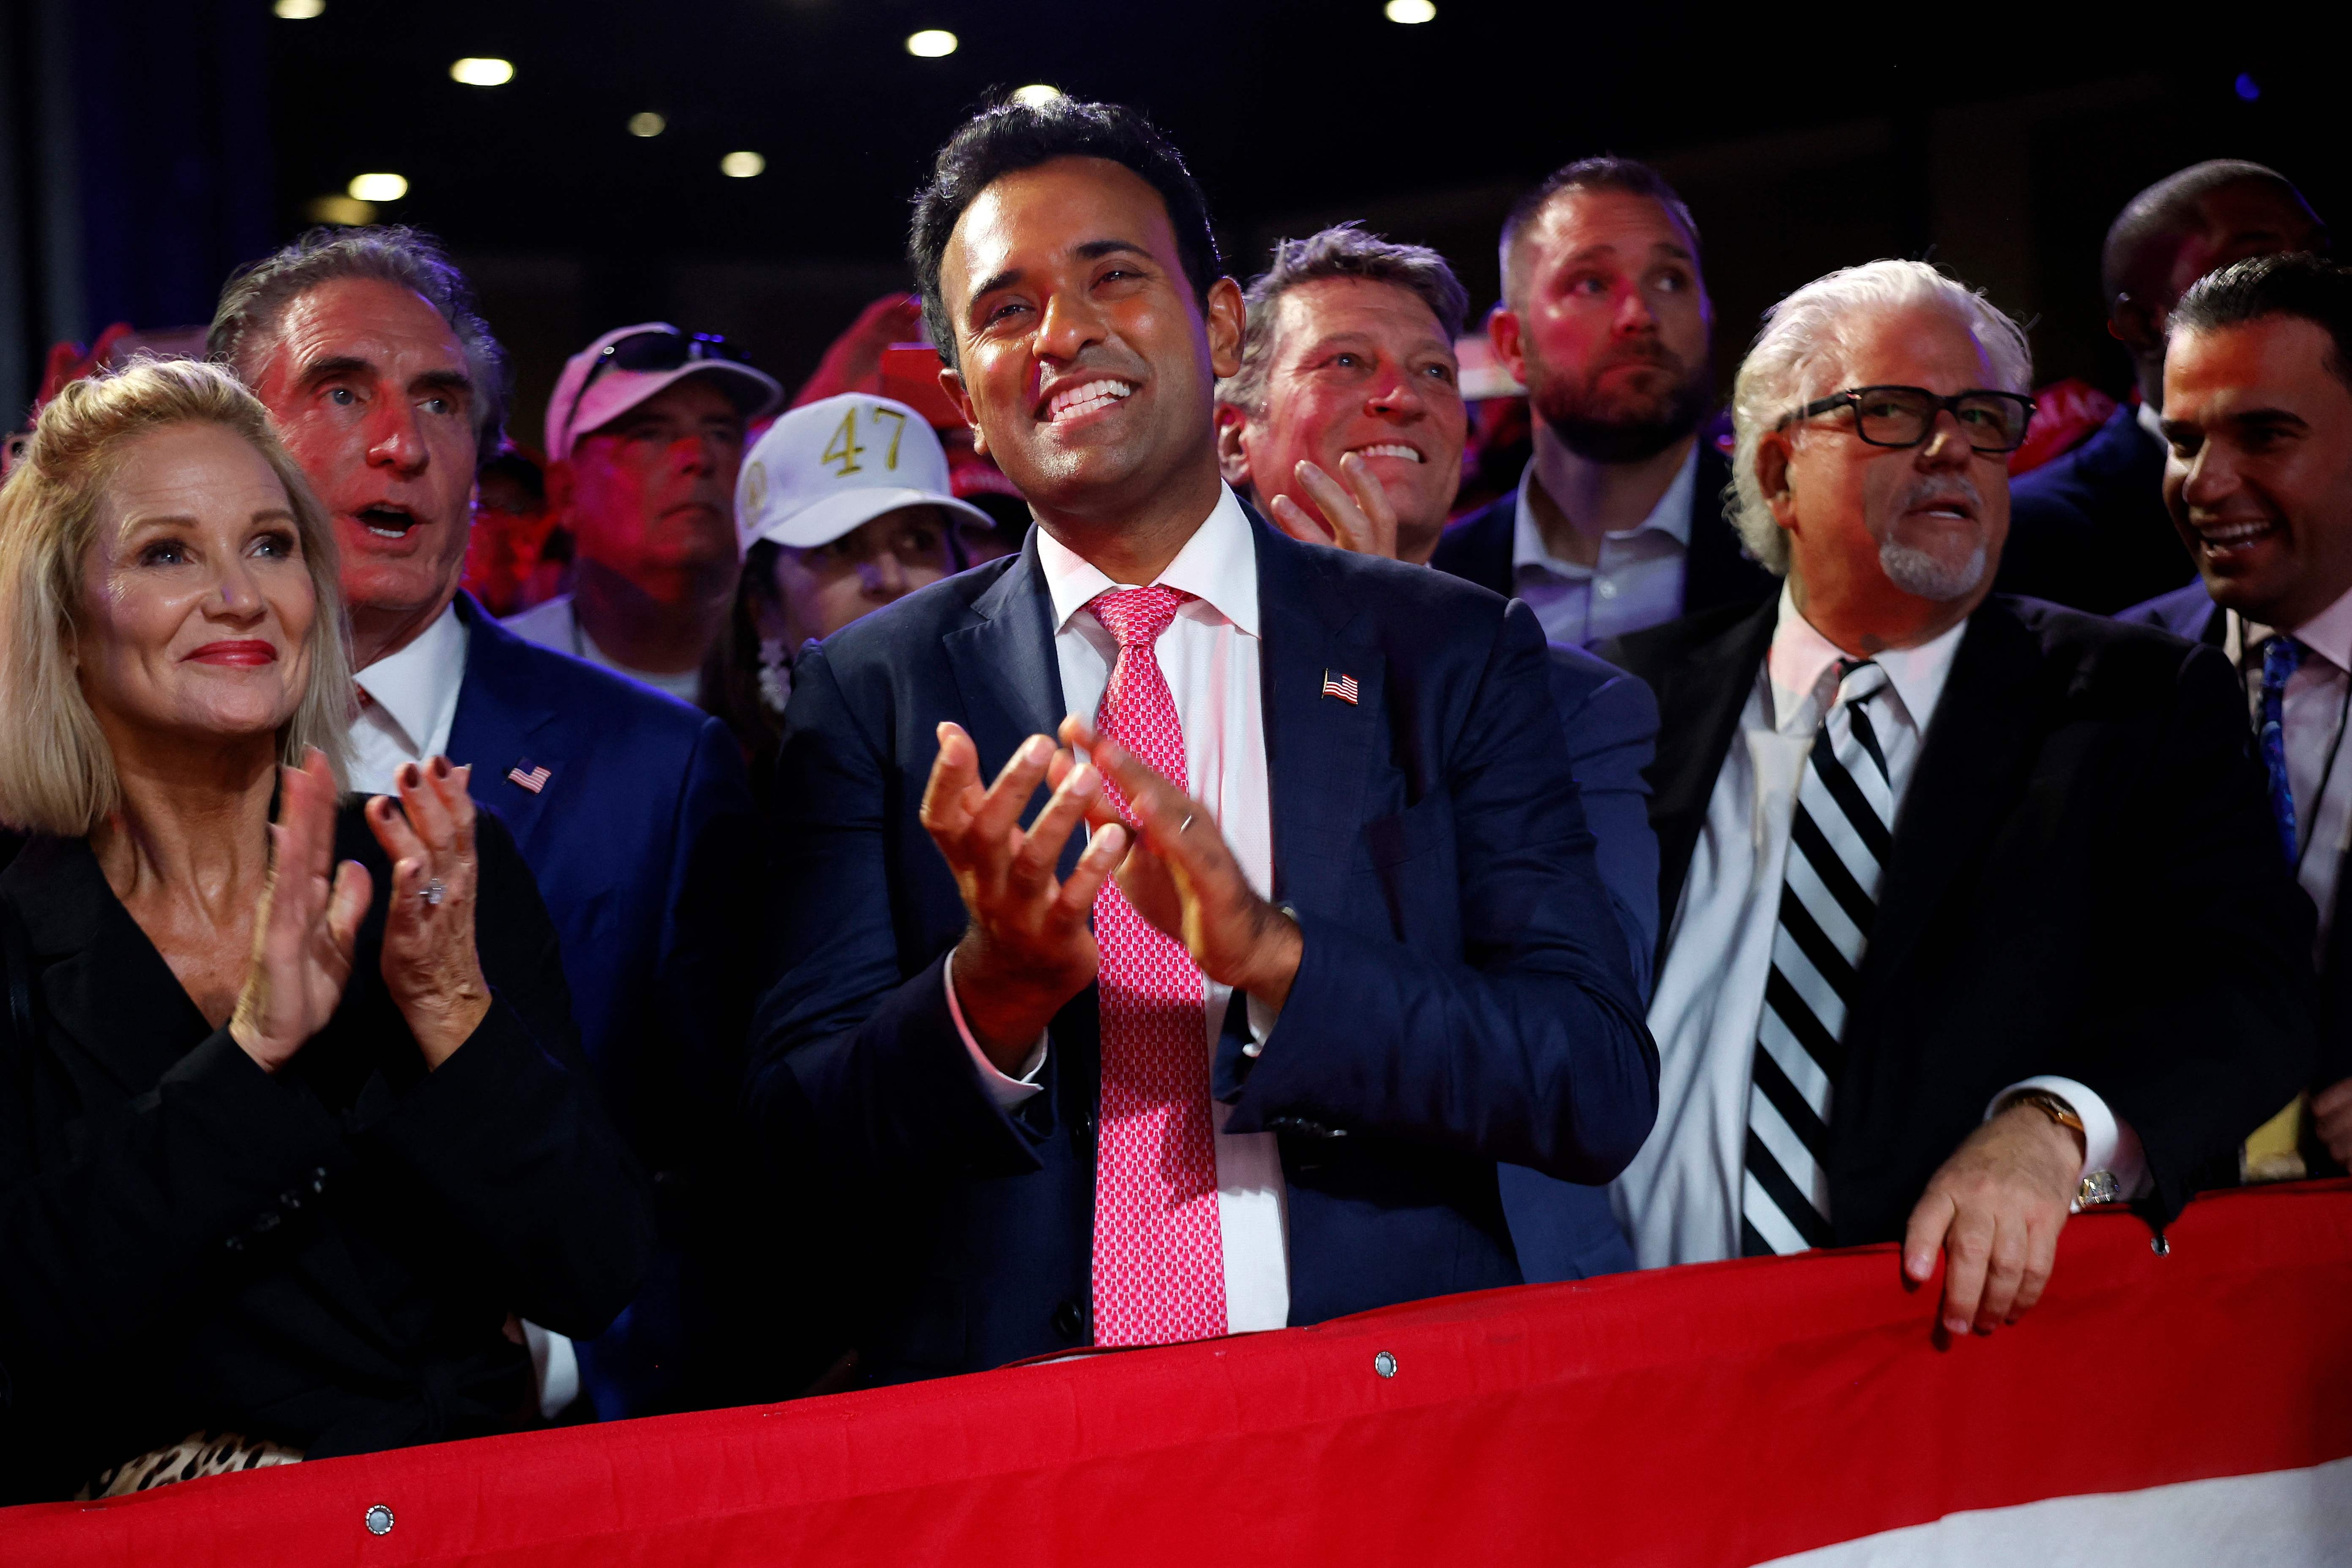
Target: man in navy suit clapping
{"x":1233,"y":1028}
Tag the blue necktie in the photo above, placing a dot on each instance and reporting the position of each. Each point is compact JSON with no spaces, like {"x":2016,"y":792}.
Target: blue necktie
{"x":2281,"y":657}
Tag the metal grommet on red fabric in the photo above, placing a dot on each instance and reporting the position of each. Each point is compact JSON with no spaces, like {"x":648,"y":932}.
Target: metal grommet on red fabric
{"x":1385,"y":1364}
{"x":379,"y":1521}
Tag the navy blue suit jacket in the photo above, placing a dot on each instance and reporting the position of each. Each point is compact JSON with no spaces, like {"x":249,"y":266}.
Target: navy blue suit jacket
{"x":1716,"y":571}
{"x":1566,"y":1230}
{"x":1465,"y":996}
{"x":2089,"y":530}
{"x":644,"y":845}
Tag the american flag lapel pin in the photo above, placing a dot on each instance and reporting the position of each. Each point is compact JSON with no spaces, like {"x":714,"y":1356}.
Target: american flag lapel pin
{"x":534,"y":779}
{"x":1342,"y":687}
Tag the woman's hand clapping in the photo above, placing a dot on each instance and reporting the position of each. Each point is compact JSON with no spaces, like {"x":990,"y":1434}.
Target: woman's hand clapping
{"x":430,"y":964}
{"x":304,"y":931}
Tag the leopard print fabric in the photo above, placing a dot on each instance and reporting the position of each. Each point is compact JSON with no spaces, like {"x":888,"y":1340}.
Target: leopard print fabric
{"x":197,"y":1454}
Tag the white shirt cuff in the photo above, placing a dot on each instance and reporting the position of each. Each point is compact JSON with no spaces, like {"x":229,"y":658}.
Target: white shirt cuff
{"x":1261,"y":1020}
{"x":1007,"y":1092}
{"x":2108,"y":1142}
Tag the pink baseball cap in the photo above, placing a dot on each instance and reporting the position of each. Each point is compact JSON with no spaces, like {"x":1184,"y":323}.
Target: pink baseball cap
{"x":629,"y":364}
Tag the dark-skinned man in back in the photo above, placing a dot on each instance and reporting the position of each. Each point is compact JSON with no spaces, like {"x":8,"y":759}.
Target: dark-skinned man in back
{"x":1338,"y":778}
{"x":2089,"y":527}
{"x":1618,"y":521}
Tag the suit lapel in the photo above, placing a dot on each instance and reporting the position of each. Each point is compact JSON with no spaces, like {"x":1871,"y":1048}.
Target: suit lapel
{"x":1318,"y":748}
{"x":1006,"y":670}
{"x":1700,"y":699}
{"x":506,"y":729}
{"x":1964,"y":781}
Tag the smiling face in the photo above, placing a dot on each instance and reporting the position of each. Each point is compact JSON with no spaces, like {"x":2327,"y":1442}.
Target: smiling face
{"x":196,"y":603}
{"x":651,"y":493}
{"x":1358,"y":366}
{"x":1085,"y":361}
{"x":2259,"y":477}
{"x":1882,"y":536}
{"x":1607,"y":324}
{"x":369,"y":390}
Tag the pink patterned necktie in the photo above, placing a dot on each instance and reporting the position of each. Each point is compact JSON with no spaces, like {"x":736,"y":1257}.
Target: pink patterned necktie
{"x":1160,"y":1261}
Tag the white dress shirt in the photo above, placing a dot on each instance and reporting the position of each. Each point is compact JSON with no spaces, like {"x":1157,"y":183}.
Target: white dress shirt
{"x":2312,"y":715}
{"x":1680,"y":1198}
{"x":411,"y":701}
{"x":1209,"y":655}
{"x":556,"y":624}
{"x":1636,"y":582}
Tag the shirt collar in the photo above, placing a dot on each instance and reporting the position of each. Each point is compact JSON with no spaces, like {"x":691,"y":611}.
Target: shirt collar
{"x":2149,"y":420}
{"x":1218,"y":567}
{"x":1800,"y":658}
{"x":1671,"y":516}
{"x":2329,"y":633}
{"x":418,"y":684}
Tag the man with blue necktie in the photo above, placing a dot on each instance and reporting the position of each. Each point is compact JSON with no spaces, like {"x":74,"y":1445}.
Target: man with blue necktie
{"x":2258,"y":422}
{"x":1247,"y":1053}
{"x":1977,"y":913}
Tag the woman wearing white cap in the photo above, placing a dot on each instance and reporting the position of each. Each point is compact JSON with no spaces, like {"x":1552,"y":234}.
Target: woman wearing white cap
{"x":843,"y":507}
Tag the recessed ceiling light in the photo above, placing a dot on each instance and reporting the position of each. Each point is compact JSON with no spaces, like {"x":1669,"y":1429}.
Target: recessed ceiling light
{"x":1410,"y":11}
{"x":1036,"y":93}
{"x":299,"y":10}
{"x":377,"y":187}
{"x":484,"y":71}
{"x":647,"y":123}
{"x":348,"y":211}
{"x":931,"y":43}
{"x":741,"y":166}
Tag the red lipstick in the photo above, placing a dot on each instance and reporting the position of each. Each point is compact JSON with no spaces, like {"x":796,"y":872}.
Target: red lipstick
{"x":248,"y":653}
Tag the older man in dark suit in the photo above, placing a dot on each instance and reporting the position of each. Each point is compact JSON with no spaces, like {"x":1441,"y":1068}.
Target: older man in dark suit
{"x":1618,"y":521}
{"x":1250,"y":1053}
{"x":1928,"y":974}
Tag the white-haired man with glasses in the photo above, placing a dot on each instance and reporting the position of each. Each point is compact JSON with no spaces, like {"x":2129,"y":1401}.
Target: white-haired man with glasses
{"x":1971,"y":920}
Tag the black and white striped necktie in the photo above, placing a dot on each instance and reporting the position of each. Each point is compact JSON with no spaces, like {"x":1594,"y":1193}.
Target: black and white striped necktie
{"x":1838,"y":844}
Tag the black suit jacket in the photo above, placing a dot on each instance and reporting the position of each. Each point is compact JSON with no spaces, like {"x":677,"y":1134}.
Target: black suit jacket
{"x":1715,"y":571}
{"x":2088,"y":529}
{"x":2085,"y":881}
{"x":325,"y":1256}
{"x":1465,"y":996}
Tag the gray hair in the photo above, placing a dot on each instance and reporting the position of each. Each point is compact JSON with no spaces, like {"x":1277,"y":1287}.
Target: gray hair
{"x":257,"y":296}
{"x":1343,"y":250}
{"x":1798,"y":356}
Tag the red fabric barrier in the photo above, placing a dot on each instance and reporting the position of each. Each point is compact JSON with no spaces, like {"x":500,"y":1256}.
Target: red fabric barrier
{"x":1719,"y":1414}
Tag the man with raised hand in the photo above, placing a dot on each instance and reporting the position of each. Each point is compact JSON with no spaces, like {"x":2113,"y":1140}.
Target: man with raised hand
{"x":1249,"y":1053}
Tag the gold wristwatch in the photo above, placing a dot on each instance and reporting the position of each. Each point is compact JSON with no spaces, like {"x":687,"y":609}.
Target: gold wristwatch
{"x":2097,"y":1186}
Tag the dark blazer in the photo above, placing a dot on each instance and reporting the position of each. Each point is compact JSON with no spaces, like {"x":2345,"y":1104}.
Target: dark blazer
{"x":2089,"y":530}
{"x":325,"y":1257}
{"x":1715,"y":571}
{"x":2085,"y":881}
{"x":1565,"y":1230}
{"x":644,"y":847}
{"x":2190,"y":612}
{"x":1465,"y":997}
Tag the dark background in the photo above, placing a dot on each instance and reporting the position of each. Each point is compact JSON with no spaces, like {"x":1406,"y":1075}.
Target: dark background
{"x":153,"y":144}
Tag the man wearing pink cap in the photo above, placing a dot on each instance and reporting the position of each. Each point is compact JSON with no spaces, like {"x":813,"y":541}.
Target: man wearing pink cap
{"x":645,"y":435}
{"x":631,"y":808}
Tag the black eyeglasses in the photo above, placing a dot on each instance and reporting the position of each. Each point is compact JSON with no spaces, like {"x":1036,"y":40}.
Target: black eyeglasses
{"x":657,"y":349}
{"x":1905,"y":415}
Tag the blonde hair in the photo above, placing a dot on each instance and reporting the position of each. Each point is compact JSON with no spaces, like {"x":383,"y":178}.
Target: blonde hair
{"x":56,"y":770}
{"x":1797,"y":357}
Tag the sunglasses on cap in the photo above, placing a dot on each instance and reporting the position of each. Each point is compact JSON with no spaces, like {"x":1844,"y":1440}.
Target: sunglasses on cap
{"x":655,"y":349}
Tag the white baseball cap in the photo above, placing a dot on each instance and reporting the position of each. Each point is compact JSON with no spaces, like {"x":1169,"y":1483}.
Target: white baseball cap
{"x":629,"y":364}
{"x":827,"y":467}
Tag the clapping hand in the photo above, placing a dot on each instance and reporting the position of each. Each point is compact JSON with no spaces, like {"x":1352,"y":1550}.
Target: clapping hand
{"x":430,"y":964}
{"x":1029,"y":948}
{"x":1356,"y":516}
{"x":1183,"y":878}
{"x":304,"y":931}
